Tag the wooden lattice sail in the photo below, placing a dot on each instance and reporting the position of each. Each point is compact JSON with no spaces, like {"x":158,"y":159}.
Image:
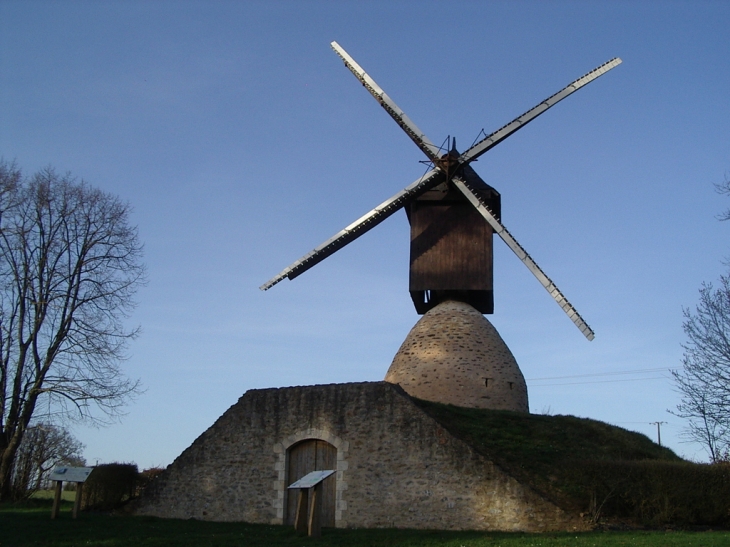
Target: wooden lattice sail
{"x":453,"y":214}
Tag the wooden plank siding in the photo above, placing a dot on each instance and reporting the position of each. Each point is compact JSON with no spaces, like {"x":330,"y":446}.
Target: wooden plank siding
{"x":305,"y":457}
{"x":451,"y":247}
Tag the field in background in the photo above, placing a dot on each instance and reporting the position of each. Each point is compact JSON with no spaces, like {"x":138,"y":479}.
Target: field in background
{"x":48,"y":495}
{"x":29,"y":524}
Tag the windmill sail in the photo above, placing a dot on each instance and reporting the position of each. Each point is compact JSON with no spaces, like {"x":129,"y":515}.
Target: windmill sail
{"x":359,"y":227}
{"x":446,"y":167}
{"x":526,"y":259}
{"x":418,"y":136}
{"x":488,"y":142}
{"x":519,"y":122}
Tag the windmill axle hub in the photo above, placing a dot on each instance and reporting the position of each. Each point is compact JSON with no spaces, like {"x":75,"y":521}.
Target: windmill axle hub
{"x":453,"y":213}
{"x":449,"y":164}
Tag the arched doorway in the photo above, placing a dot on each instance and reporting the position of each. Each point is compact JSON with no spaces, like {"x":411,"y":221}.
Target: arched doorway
{"x":302,"y":458}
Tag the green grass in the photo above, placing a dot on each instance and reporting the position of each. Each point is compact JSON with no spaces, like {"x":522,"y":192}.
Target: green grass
{"x":536,"y":443}
{"x":66,"y":495}
{"x":29,"y":524}
{"x":550,"y":453}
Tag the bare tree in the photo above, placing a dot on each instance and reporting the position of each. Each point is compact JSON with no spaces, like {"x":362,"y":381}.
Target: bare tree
{"x":704,"y":380}
{"x":70,"y":264}
{"x":44,"y":446}
{"x":724,"y":188}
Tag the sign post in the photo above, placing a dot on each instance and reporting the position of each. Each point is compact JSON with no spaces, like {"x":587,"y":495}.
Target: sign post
{"x":69,"y":474}
{"x":309,"y":502}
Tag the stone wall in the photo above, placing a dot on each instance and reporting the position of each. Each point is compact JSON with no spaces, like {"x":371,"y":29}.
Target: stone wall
{"x":396,"y":466}
{"x":454,"y":355}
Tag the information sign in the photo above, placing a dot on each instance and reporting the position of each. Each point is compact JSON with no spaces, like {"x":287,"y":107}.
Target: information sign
{"x":71,"y":474}
{"x":311,"y":479}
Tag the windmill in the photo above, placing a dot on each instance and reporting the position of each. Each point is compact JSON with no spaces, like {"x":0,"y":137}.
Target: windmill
{"x":452,"y":212}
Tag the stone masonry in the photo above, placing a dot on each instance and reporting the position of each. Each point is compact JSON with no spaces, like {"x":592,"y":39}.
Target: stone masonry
{"x":396,"y":466}
{"x":454,"y":355}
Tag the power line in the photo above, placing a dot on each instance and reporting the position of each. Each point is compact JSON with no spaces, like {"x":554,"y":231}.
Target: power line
{"x":668,"y":424}
{"x":602,"y":381}
{"x":658,"y":431}
{"x":637,"y":371}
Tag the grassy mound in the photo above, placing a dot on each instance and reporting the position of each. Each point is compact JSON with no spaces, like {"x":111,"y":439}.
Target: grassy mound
{"x":591,"y":467}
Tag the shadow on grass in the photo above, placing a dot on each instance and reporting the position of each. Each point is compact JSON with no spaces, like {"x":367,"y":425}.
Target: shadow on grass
{"x":29,"y":524}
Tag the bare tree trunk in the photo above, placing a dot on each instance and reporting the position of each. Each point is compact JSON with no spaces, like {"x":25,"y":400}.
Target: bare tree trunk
{"x":7,"y":459}
{"x":69,"y":267}
{"x":704,"y":380}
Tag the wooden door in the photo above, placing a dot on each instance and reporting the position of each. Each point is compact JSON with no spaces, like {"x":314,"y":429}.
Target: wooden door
{"x":305,"y":457}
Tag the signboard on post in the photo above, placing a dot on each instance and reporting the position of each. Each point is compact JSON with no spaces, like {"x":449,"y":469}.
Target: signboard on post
{"x":311,"y":479}
{"x":69,"y":474}
{"x":310,"y":497}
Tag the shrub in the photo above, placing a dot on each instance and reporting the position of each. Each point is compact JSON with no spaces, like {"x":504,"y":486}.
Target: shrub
{"x":659,"y":492}
{"x":109,"y":486}
{"x":147,"y":476}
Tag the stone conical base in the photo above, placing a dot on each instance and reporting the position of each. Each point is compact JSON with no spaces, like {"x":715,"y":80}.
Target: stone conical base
{"x":454,"y":355}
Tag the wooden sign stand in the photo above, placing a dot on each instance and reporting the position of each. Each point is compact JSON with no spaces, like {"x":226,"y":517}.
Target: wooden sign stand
{"x":57,"y":499}
{"x":308,"y":517}
{"x":308,"y":511}
{"x":69,"y":474}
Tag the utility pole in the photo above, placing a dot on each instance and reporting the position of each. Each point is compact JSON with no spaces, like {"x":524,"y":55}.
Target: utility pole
{"x":658,"y":431}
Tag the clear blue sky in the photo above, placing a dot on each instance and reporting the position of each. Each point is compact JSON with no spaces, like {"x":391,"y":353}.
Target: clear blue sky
{"x":242,"y":142}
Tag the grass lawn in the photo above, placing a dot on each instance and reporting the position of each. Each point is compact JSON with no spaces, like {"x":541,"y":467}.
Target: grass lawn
{"x":30,"y":525}
{"x":50,"y":494}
